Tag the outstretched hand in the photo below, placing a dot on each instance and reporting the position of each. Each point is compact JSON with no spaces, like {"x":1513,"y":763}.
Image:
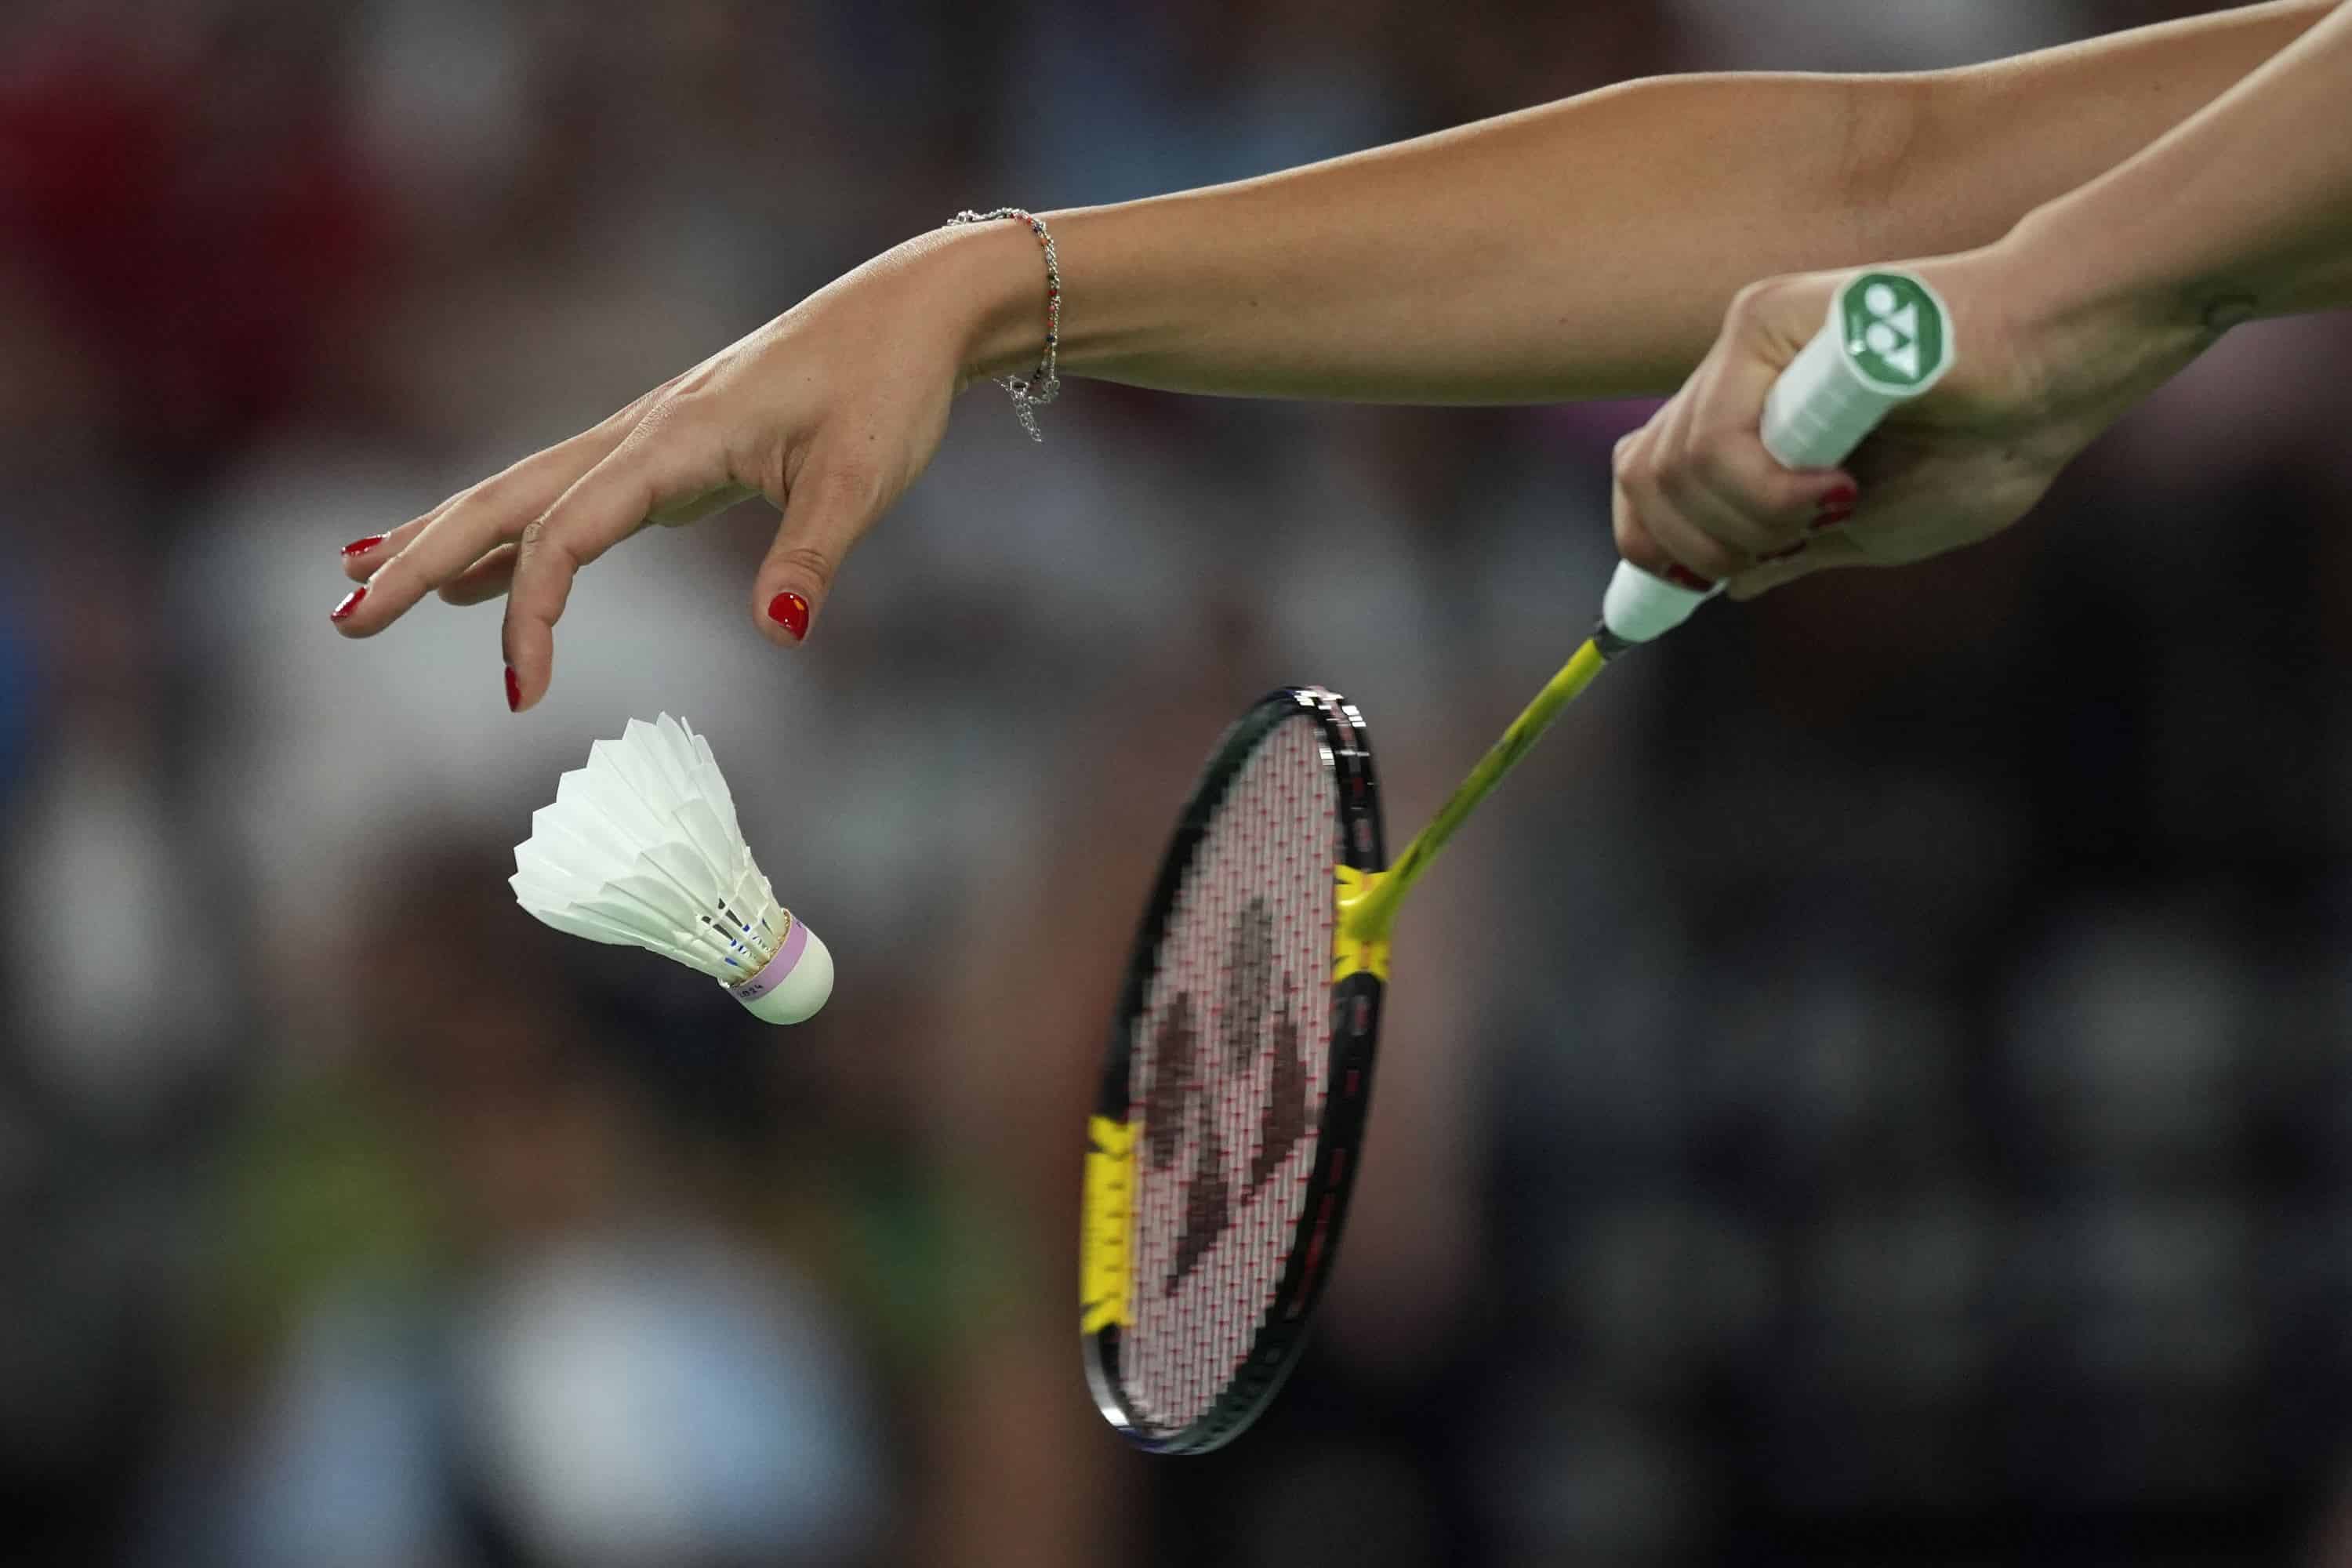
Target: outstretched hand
{"x":830,"y":411}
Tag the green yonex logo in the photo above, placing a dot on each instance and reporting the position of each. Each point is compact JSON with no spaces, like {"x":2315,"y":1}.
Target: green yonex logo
{"x":1894,"y":330}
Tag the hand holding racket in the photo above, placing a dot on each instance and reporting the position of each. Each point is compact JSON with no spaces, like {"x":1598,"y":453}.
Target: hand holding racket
{"x":1229,"y":1125}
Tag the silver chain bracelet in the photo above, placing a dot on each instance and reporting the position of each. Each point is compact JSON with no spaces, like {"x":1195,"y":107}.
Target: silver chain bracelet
{"x":1042,"y":388}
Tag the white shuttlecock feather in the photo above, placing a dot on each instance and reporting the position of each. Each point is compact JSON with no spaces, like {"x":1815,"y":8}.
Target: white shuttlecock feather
{"x":641,"y":849}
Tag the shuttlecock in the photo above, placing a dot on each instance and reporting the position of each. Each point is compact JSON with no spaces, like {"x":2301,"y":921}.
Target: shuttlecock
{"x":641,"y":849}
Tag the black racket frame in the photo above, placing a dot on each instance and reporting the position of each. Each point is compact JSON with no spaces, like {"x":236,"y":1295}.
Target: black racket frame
{"x":1355,"y":1002}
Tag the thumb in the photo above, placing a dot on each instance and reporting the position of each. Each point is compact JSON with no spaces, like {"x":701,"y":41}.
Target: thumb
{"x":830,"y":505}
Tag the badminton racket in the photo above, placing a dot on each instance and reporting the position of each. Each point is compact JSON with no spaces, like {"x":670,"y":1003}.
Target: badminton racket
{"x":1229,"y":1126}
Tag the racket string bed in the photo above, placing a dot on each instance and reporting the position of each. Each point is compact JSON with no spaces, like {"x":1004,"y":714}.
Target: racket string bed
{"x":1249,"y":934}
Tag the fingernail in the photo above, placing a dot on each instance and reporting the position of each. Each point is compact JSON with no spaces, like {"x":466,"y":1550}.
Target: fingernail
{"x":362,"y":546}
{"x":1681,"y":577}
{"x":514,"y":691}
{"x":351,"y":602}
{"x":789,"y":611}
{"x":1833,"y":508}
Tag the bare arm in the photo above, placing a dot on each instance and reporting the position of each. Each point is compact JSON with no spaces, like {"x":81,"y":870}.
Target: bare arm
{"x":1584,"y":249}
{"x":1588,"y":248}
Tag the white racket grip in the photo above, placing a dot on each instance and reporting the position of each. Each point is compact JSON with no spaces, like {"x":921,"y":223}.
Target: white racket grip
{"x":1887,"y":338}
{"x":1639,"y":607}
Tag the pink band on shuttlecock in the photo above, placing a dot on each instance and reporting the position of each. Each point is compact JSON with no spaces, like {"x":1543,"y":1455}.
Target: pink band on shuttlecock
{"x":779,"y":969}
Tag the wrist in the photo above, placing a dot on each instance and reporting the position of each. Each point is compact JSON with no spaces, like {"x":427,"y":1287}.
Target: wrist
{"x":995,"y":277}
{"x":2072,"y":326}
{"x":2093,"y":293}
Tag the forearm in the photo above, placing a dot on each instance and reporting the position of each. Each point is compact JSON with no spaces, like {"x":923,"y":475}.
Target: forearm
{"x":1578,"y":248}
{"x":1588,"y":248}
{"x":2244,"y":210}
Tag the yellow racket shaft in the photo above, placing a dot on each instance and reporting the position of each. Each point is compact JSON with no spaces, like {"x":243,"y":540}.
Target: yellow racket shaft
{"x":1887,"y":338}
{"x":1369,"y":918}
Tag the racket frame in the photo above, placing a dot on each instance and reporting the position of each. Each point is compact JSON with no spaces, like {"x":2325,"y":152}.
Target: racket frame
{"x":1355,"y":1011}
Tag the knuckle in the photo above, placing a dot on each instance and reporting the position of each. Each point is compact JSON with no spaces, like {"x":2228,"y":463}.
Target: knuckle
{"x":628,"y":416}
{"x":699,"y":384}
{"x":542,"y":550}
{"x":690,"y":404}
{"x":1680,"y":479}
{"x":649,"y":425}
{"x":1749,"y":303}
{"x":482,"y":500}
{"x":1638,"y":469}
{"x":1715,"y":455}
{"x":686,"y":407}
{"x":851,"y":482}
{"x":394,"y":578}
{"x":808,"y":564}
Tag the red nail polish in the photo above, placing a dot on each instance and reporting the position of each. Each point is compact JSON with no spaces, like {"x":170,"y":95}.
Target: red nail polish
{"x":1833,"y":508}
{"x":351,"y":602}
{"x":362,"y":546}
{"x":789,"y":611}
{"x":514,"y":691}
{"x":1681,"y":577}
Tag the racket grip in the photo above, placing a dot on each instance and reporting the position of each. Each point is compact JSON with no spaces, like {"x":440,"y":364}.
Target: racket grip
{"x":1887,"y":338}
{"x":1640,"y":606}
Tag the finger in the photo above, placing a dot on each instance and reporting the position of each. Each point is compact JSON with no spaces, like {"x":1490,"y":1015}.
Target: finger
{"x":672,"y":454}
{"x":484,"y":580}
{"x":1724,"y":518}
{"x":1688,"y":544}
{"x":420,"y":555}
{"x":832,"y":503}
{"x":1641,"y":540}
{"x":363,"y":556}
{"x":1644,"y":520}
{"x":1754,"y":502}
{"x":1821,"y":553}
{"x":1766,"y":326}
{"x":1652,"y":529}
{"x":1697,"y":527}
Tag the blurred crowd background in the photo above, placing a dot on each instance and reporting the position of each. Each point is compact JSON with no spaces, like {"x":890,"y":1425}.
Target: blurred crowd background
{"x":1872,"y":1089}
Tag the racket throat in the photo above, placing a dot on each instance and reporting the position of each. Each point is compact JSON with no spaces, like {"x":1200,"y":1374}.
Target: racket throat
{"x":1369,"y":901}
{"x":1367,"y":912}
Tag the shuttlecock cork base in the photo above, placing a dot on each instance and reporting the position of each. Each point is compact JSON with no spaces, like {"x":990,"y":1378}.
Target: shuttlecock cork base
{"x":794,"y":983}
{"x":641,"y":849}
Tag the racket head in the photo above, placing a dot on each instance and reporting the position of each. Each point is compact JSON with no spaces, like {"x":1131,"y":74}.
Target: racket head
{"x":1236,"y":1082}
